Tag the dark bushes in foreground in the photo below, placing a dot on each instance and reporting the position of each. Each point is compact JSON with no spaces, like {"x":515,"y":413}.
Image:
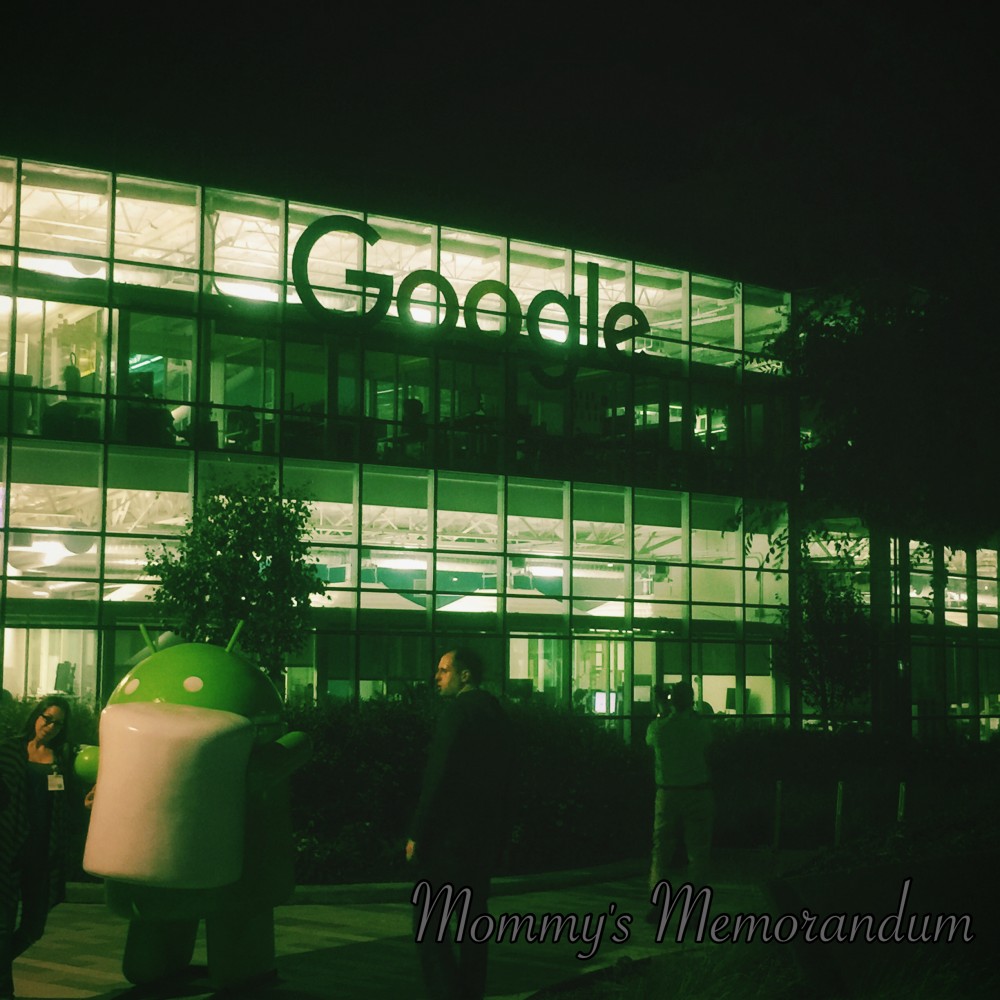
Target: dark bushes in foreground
{"x":583,"y":796}
{"x":942,"y":780}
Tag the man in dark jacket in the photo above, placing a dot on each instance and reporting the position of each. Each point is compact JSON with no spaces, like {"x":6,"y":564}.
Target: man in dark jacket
{"x":460,"y":827}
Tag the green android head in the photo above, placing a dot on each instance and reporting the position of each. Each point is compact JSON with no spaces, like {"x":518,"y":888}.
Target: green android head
{"x":204,"y":676}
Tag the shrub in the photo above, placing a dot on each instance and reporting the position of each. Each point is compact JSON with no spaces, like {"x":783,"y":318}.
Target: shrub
{"x":352,"y":801}
{"x":581,"y":796}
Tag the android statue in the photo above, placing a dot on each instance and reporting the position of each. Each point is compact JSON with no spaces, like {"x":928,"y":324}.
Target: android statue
{"x":191,"y":817}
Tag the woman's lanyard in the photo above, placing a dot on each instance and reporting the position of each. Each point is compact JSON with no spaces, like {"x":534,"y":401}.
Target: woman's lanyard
{"x":56,"y":781}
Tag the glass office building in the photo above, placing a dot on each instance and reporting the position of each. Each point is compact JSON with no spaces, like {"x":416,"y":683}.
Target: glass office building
{"x":577,"y":464}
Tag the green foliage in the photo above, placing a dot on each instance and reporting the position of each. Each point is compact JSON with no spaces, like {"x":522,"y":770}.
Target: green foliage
{"x":948,"y":785}
{"x":869,"y":363}
{"x":832,"y":657}
{"x":352,"y":801}
{"x":581,"y":796}
{"x":83,"y":721}
{"x":243,"y":556}
{"x":12,"y":716}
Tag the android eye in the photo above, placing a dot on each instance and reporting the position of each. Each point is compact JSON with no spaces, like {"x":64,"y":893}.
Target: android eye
{"x":131,"y":686}
{"x":193,"y":683}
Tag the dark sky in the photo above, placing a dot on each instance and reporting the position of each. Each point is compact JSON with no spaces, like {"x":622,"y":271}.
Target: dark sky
{"x":749,"y":145}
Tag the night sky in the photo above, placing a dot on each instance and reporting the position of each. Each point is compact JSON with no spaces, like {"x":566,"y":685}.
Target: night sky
{"x":747,"y":145}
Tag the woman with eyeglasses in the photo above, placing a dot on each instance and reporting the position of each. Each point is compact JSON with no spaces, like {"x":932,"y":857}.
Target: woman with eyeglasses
{"x":35,"y":768}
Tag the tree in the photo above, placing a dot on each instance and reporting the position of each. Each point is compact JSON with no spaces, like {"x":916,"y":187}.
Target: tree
{"x":243,"y":557}
{"x":831,"y":661}
{"x":897,"y":388}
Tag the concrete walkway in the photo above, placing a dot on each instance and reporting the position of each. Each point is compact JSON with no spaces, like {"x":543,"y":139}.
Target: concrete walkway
{"x":356,"y":941}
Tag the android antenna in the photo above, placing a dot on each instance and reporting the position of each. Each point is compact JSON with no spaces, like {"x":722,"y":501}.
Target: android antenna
{"x":149,"y":642}
{"x":236,"y":632}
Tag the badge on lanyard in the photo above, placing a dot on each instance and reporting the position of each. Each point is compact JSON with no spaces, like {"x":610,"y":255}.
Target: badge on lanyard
{"x":57,"y":783}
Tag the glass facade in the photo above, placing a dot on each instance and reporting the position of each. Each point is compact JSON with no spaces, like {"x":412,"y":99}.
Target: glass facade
{"x":578,"y":464}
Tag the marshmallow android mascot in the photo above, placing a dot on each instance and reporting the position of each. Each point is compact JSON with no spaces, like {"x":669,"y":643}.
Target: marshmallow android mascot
{"x":191,"y":815}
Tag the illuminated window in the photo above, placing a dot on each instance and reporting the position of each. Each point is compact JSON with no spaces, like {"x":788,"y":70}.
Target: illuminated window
{"x":715,"y":531}
{"x":714,"y":305}
{"x":765,"y":592}
{"x":330,"y":490}
{"x":655,"y":584}
{"x":6,"y":312}
{"x":41,"y":661}
{"x":765,"y":316}
{"x":599,"y":677}
{"x":64,"y":211}
{"x":7,"y":194}
{"x":55,"y":487}
{"x":760,"y":684}
{"x":467,"y":583}
{"x":765,"y":534}
{"x":717,"y":586}
{"x":713,"y":670}
{"x":956,"y":592}
{"x":614,"y":286}
{"x":157,"y":234}
{"x":53,"y":564}
{"x":244,"y":239}
{"x":395,"y":508}
{"x":467,"y":258}
{"x":600,"y":589}
{"x":535,"y":269}
{"x":331,"y":257}
{"x":243,"y":381}
{"x":537,"y":668}
{"x":337,"y":568}
{"x":156,"y":390}
{"x":658,"y":526}
{"x":218,"y":472}
{"x":599,"y":528}
{"x":921,"y":582}
{"x":535,"y":521}
{"x":394,"y":580}
{"x":404,"y":247}
{"x":125,"y":573}
{"x":148,"y":492}
{"x":986,"y":587}
{"x":468,"y":512}
{"x":60,"y":350}
{"x":662,"y":294}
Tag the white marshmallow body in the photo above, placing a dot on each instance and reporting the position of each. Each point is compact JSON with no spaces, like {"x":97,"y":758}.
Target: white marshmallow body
{"x":169,"y":808}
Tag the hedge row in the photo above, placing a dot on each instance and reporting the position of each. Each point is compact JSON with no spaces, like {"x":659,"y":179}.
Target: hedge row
{"x":583,"y":796}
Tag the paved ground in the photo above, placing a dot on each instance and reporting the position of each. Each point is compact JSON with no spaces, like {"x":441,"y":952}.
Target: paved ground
{"x":357,"y":942}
